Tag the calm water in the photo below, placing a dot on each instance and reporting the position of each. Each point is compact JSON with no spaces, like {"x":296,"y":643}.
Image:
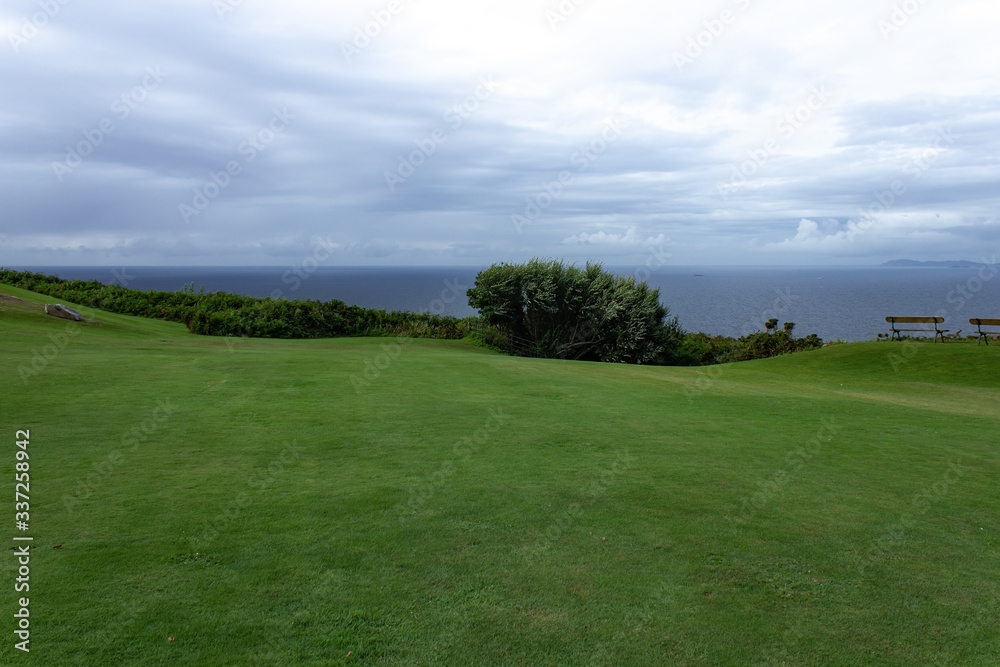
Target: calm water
{"x":848,"y":303}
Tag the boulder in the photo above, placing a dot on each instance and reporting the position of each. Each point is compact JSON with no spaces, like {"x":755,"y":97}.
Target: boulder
{"x":59,"y":310}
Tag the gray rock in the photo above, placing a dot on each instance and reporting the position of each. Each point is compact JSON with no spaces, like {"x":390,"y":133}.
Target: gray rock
{"x":60,"y":310}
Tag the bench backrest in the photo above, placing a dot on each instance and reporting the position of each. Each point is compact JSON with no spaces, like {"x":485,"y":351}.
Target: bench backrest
{"x":984,"y":323}
{"x":915,"y":320}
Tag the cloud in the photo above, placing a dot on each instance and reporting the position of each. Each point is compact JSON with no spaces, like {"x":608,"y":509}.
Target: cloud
{"x":798,"y":176}
{"x":629,"y":239}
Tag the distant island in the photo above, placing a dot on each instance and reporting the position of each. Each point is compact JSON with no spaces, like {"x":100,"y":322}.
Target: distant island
{"x":956,"y":264}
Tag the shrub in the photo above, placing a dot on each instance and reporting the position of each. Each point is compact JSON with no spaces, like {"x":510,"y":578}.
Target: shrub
{"x":576,"y":313}
{"x":222,"y":314}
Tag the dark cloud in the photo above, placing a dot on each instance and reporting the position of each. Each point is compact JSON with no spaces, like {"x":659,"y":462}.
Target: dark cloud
{"x":427,"y":145}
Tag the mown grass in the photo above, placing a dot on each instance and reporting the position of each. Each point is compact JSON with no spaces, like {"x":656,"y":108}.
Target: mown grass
{"x":250,"y":500}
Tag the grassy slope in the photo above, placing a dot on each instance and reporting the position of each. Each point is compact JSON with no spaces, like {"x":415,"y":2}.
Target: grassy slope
{"x":374,"y":534}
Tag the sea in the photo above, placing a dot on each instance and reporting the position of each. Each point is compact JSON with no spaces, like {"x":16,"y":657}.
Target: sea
{"x":836,"y":303}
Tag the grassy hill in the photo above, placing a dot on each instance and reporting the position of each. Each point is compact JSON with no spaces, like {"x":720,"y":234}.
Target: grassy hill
{"x":383,"y":501}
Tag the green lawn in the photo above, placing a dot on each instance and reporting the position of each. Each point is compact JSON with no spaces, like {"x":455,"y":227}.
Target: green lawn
{"x":290,"y":502}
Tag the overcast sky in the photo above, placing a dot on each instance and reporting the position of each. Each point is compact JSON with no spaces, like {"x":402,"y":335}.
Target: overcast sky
{"x":447,"y":132}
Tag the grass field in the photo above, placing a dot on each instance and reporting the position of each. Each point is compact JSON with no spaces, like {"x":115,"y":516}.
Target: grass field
{"x":376,"y":501}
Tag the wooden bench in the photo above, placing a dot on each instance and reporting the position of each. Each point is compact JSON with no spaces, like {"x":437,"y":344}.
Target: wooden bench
{"x":984,"y":335}
{"x":897,"y":332}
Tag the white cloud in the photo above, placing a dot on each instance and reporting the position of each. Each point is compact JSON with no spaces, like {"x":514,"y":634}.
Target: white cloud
{"x":689,"y":130}
{"x":629,"y":239}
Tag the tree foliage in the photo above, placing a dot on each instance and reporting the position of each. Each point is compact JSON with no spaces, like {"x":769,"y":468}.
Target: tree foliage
{"x":698,"y":349}
{"x":576,"y":313}
{"x":222,"y":314}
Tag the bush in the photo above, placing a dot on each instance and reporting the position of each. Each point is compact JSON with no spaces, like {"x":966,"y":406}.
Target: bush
{"x":222,"y":314}
{"x":698,"y":349}
{"x":576,"y":313}
{"x":570,"y":312}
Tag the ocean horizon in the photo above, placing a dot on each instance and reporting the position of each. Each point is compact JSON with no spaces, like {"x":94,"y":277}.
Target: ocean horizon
{"x":835,"y":302}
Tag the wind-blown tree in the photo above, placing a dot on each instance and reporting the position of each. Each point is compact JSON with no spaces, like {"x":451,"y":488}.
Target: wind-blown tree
{"x":576,"y":313}
{"x":636,"y":329}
